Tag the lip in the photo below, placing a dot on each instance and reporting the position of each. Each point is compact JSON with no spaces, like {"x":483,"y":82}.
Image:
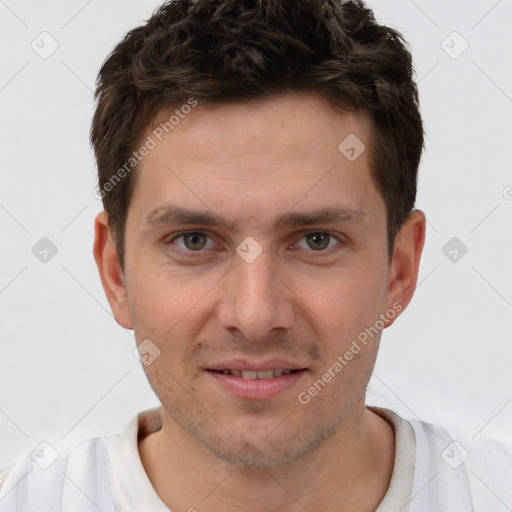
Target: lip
{"x":259,"y":366}
{"x":257,"y":389}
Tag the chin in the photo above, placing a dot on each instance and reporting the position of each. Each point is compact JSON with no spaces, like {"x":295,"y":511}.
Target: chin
{"x":253,"y":450}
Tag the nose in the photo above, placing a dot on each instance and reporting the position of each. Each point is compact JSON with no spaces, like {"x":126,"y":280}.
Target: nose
{"x":255,"y":299}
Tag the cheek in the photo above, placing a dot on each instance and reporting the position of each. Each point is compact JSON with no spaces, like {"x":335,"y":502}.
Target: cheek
{"x":345,"y":301}
{"x":170,"y":307}
{"x":167,"y":294}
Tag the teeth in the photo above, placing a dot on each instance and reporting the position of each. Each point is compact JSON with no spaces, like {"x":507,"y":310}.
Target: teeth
{"x":267,"y":374}
{"x":252,"y":375}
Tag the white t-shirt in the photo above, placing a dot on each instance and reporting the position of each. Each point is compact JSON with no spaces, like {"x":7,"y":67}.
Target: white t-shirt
{"x":431,"y":473}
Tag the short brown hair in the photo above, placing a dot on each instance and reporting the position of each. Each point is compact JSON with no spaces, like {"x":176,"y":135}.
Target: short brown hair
{"x":219,"y":51}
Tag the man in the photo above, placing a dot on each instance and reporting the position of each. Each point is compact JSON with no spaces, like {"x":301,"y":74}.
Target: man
{"x":258,"y":164}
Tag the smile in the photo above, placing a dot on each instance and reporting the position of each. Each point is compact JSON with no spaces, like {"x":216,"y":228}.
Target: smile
{"x":252,"y":374}
{"x":257,"y":384}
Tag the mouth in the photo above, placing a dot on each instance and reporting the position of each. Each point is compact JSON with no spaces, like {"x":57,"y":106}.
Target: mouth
{"x":256,"y":382}
{"x":257,"y":374}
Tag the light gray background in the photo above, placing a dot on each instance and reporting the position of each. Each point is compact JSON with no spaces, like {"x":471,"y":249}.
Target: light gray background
{"x":67,"y":369}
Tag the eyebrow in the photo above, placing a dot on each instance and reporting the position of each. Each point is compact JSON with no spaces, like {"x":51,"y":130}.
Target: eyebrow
{"x":171,"y":214}
{"x":324,"y":216}
{"x":168,"y":214}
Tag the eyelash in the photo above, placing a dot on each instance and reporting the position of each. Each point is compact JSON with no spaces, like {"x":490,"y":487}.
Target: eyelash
{"x":194,"y":254}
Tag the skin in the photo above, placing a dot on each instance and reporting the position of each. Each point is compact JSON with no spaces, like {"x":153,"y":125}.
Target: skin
{"x":250,"y":164}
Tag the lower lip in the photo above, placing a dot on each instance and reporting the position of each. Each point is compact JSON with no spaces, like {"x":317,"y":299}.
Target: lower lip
{"x":257,"y":389}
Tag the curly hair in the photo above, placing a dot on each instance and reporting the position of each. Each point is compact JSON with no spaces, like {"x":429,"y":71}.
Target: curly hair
{"x":217,"y":51}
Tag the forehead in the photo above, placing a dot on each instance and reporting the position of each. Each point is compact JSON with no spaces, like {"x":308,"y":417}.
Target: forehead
{"x":299,"y":123}
{"x":272,"y":153}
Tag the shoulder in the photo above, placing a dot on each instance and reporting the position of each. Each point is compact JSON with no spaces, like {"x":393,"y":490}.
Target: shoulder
{"x":4,"y":473}
{"x":457,"y":471}
{"x":49,"y":479}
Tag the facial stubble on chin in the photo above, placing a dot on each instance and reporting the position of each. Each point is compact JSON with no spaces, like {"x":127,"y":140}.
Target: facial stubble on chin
{"x":283,"y":443}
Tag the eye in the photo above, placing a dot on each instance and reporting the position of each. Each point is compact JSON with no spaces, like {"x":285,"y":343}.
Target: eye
{"x":318,"y":241}
{"x":192,"y":241}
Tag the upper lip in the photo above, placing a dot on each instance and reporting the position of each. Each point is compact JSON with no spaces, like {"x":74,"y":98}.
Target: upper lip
{"x":259,"y":366}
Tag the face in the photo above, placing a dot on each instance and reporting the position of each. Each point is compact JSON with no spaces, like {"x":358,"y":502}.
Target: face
{"x":256,"y":248}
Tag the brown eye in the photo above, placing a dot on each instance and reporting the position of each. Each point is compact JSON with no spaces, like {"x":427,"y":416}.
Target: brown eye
{"x":194,"y":241}
{"x":318,"y":241}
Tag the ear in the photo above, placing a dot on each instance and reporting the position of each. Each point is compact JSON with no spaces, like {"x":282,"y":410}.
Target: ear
{"x":405,"y":263}
{"x":109,"y":267}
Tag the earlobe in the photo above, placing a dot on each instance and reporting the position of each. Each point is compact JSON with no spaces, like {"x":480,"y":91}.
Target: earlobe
{"x":109,"y":268}
{"x":403,"y":273}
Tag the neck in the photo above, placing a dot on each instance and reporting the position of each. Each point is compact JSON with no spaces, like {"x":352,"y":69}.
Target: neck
{"x":351,"y":471}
